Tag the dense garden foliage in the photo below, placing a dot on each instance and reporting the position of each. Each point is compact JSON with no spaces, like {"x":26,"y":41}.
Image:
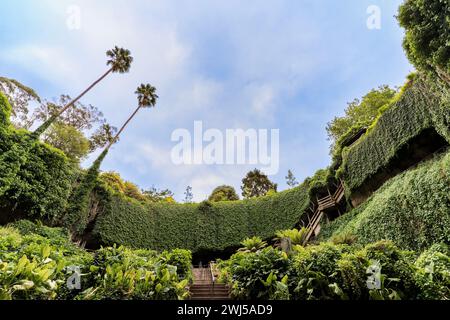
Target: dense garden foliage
{"x":339,"y":272}
{"x":37,"y":262}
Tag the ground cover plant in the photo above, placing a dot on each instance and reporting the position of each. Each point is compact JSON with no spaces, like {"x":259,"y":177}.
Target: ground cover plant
{"x":39,"y":263}
{"x":377,"y":271}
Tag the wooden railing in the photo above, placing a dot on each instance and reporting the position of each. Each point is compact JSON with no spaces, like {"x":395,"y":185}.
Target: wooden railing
{"x":340,"y":193}
{"x":325,"y":203}
{"x":314,"y":223}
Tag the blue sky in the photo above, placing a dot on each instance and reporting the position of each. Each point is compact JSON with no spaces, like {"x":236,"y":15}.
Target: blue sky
{"x":288,"y":65}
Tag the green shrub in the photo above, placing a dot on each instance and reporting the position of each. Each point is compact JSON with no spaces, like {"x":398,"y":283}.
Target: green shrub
{"x":14,"y":154}
{"x":10,"y":238}
{"x":77,"y":215}
{"x":345,"y":238}
{"x":378,"y":271}
{"x":396,"y":266}
{"x":313,"y":270}
{"x":38,"y":267}
{"x":57,"y":235}
{"x":32,"y":267}
{"x":253,"y":274}
{"x":35,"y":179}
{"x":41,"y":187}
{"x":440,"y":113}
{"x":296,"y":237}
{"x":121,"y":273}
{"x":433,"y":273}
{"x":182,"y":259}
{"x":5,"y":112}
{"x":396,"y":272}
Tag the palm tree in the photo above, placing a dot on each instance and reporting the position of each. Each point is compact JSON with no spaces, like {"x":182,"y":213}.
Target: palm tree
{"x":119,"y":60}
{"x":147,"y":98}
{"x":77,"y":215}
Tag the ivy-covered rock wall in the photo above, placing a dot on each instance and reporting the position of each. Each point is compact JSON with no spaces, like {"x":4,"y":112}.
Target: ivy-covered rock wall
{"x":420,"y":108}
{"x":412,"y":209}
{"x":204,"y":226}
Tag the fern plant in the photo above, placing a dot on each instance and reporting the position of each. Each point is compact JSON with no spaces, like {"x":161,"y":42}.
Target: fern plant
{"x":253,"y":244}
{"x":297,"y":237}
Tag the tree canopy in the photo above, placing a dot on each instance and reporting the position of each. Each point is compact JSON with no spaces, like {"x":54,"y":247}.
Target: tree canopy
{"x":427,"y":34}
{"x":256,"y":184}
{"x":20,"y":97}
{"x":360,"y":113}
{"x":223,"y":193}
{"x":188,"y":195}
{"x":291,"y":181}
{"x":131,"y":190}
{"x":79,"y":131}
{"x":69,"y":140}
{"x":156,"y":195}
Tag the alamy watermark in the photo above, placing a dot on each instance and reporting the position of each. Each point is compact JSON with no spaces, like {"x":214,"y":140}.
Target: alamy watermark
{"x":74,"y":281}
{"x":73,"y":21}
{"x":374,"y":279}
{"x":374,"y":20}
{"x":258,"y":147}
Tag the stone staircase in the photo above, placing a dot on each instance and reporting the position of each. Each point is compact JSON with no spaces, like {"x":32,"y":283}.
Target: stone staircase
{"x":205,"y":288}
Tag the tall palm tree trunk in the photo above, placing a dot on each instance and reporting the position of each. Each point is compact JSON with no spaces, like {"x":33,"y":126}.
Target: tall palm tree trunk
{"x":77,"y":215}
{"x":53,"y":118}
{"x":114,"y":140}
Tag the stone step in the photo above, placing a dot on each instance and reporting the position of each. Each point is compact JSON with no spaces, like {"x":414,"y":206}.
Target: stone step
{"x":203,"y":287}
{"x":207,"y":293}
{"x":210,"y":294}
{"x":211,"y":298}
{"x":209,"y":288}
{"x":206,"y":286}
{"x":217,"y":295}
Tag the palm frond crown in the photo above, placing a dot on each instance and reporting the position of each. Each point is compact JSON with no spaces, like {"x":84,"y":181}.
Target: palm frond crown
{"x":120,"y":59}
{"x":147,"y":96}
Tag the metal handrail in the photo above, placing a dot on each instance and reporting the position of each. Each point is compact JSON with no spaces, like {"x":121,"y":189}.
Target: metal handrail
{"x":213,"y":277}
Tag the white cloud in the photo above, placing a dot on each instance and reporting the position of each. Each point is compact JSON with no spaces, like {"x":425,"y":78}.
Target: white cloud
{"x":48,"y":62}
{"x":262,"y":100}
{"x":203,"y":185}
